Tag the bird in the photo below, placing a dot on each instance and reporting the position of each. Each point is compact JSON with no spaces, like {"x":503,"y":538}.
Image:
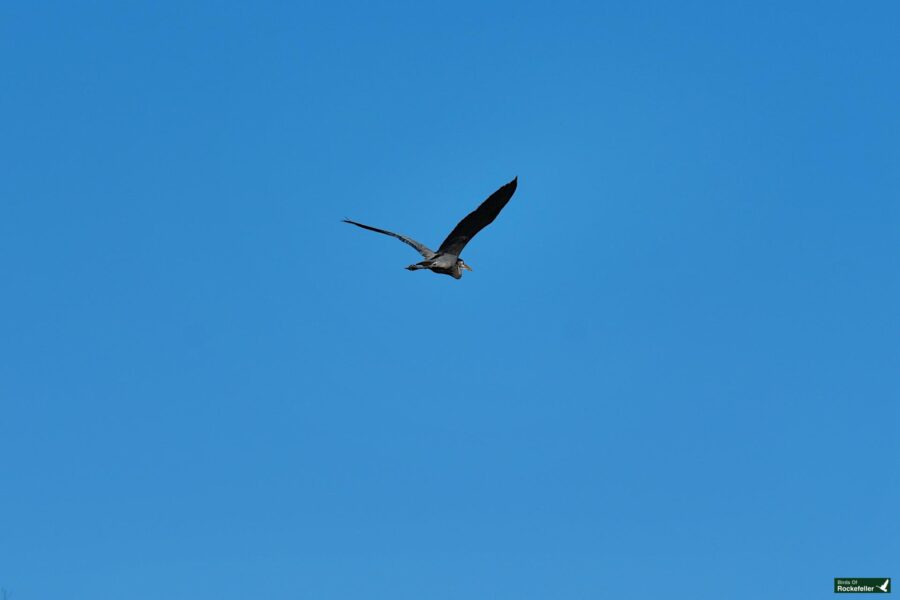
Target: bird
{"x":447,"y":261}
{"x":884,"y":586}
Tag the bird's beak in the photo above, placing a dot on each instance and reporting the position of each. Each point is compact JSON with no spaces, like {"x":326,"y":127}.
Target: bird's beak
{"x":466,"y":267}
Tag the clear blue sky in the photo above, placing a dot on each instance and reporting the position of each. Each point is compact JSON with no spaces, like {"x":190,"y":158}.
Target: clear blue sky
{"x":673,"y":373}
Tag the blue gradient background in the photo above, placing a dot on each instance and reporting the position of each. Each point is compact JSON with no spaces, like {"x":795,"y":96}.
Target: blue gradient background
{"x":673,"y":373}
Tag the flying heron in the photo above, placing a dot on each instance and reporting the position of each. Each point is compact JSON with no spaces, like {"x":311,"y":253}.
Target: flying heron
{"x":446,"y":260}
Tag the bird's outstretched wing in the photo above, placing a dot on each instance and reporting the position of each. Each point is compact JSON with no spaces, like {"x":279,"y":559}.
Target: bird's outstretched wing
{"x":478,"y":219}
{"x":420,"y":248}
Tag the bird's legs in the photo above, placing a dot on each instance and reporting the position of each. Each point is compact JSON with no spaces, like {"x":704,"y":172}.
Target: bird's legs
{"x":425,"y":264}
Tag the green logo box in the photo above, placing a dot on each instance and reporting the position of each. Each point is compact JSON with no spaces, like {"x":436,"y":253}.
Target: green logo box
{"x":862,"y":585}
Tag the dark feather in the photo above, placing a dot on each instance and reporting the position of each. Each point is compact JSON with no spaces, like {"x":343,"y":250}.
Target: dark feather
{"x":478,"y":219}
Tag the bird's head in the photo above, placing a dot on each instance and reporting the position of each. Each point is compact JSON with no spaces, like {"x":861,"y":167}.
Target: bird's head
{"x":463,"y":265}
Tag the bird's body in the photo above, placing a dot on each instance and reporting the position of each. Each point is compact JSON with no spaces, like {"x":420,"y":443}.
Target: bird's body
{"x":446,"y":260}
{"x":445,"y":264}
